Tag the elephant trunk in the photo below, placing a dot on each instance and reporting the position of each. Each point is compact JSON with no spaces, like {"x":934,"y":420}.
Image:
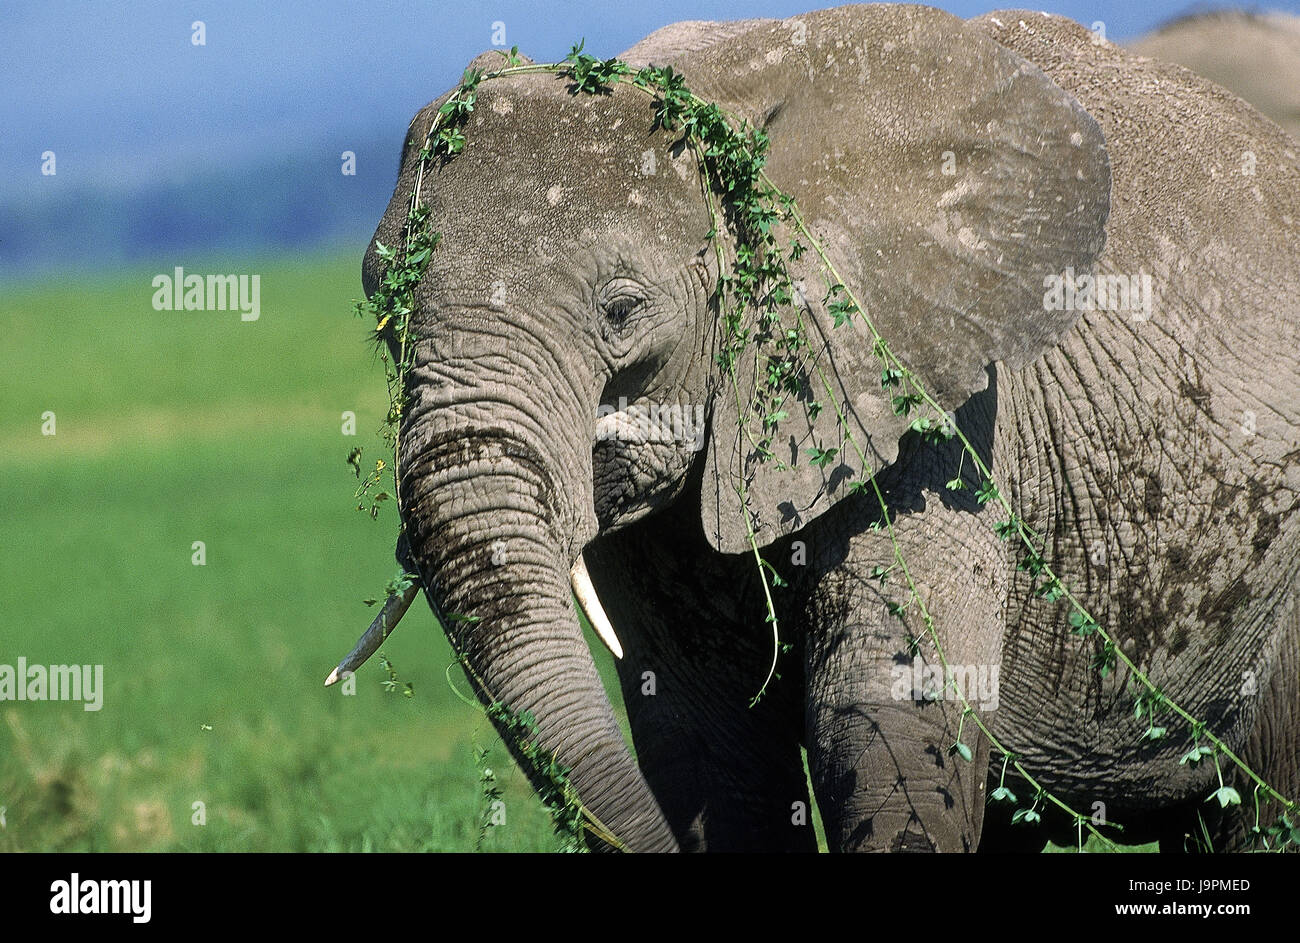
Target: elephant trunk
{"x":493,"y":530}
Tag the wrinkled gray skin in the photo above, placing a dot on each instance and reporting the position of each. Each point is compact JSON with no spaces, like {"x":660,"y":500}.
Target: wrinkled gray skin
{"x":1158,"y":456}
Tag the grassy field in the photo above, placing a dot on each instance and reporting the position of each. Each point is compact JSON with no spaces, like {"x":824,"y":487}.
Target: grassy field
{"x":176,"y":427}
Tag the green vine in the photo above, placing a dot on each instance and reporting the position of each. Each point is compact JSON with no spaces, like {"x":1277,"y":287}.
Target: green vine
{"x":753,"y":291}
{"x":570,"y":818}
{"x":393,"y":683}
{"x":554,"y":790}
{"x":490,"y":791}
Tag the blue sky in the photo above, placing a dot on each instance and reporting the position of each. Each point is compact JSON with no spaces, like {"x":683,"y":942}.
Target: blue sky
{"x":117,"y":90}
{"x":125,"y":100}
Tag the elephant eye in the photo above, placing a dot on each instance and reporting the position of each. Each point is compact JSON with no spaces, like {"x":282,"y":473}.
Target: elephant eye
{"x":620,"y":305}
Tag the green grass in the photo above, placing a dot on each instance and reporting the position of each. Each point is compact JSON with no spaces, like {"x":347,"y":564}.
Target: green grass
{"x":175,"y":427}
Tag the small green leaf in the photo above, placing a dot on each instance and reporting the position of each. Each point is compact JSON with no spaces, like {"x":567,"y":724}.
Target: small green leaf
{"x":1026,"y":817}
{"x":1106,"y":660}
{"x":1082,"y":624}
{"x":1031,"y":563}
{"x":904,"y":403}
{"x":842,"y":311}
{"x":822,"y":457}
{"x":1227,"y":796}
{"x":1052,"y":590}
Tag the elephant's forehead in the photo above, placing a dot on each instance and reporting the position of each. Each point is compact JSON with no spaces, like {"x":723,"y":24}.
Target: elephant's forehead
{"x":543,"y":171}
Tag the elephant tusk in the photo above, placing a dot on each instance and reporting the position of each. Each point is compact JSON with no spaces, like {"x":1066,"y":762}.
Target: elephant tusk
{"x":589,"y":602}
{"x":394,"y":608}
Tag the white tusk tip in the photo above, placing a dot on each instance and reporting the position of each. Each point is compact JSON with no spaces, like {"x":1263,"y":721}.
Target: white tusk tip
{"x":585,"y":593}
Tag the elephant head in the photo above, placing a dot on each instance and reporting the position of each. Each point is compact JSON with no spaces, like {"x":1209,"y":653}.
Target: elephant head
{"x":571,"y":298}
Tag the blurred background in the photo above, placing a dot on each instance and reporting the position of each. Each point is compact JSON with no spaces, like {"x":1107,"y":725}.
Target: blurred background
{"x":178,"y":507}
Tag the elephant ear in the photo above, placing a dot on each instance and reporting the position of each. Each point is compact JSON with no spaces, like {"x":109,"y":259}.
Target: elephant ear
{"x":949,"y":181}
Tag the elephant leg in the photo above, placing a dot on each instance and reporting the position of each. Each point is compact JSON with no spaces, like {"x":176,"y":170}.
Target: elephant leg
{"x":1273,"y":750}
{"x":880,"y":754}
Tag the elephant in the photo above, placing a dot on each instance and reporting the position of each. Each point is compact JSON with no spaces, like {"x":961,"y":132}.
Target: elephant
{"x":1253,"y":55}
{"x":963,"y":177}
